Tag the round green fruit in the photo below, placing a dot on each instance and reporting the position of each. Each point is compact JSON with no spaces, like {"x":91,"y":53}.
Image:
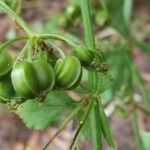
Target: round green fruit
{"x":68,"y":72}
{"x":84,"y":55}
{"x":24,"y":80}
{"x":44,"y":74}
{"x":6,"y":90}
{"x":5,"y":64}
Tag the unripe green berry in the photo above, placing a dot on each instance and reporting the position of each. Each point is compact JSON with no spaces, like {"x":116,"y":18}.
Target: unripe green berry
{"x":84,"y":55}
{"x":5,"y":64}
{"x":68,"y":72}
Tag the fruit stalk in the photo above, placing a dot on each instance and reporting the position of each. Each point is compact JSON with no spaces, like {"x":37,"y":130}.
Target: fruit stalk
{"x":90,"y":43}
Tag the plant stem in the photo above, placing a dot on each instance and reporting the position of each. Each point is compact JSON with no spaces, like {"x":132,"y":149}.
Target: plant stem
{"x":138,"y":140}
{"x":96,"y":126}
{"x":58,"y":37}
{"x":82,"y":122}
{"x":63,"y":125}
{"x":87,"y":23}
{"x":8,"y":43}
{"x":30,"y":50}
{"x":20,"y":21}
{"x":21,"y":54}
{"x":127,"y":11}
{"x":58,"y":49}
{"x":90,"y":42}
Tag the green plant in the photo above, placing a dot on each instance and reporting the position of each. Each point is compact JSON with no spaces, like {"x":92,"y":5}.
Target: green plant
{"x":41,"y":90}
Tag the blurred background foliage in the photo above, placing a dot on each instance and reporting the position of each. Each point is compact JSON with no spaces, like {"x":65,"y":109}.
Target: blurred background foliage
{"x":122,"y":32}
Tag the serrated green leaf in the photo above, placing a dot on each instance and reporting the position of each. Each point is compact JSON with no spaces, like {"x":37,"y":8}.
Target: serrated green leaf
{"x":105,"y":82}
{"x":137,"y":133}
{"x":86,"y":129}
{"x":59,"y":98}
{"x":106,"y":127}
{"x":40,"y":115}
{"x":122,"y":76}
{"x":81,"y":89}
{"x":120,"y":70}
{"x":96,"y":125}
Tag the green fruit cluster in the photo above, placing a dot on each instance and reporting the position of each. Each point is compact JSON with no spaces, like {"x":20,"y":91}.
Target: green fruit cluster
{"x":6,"y":90}
{"x":29,"y":79}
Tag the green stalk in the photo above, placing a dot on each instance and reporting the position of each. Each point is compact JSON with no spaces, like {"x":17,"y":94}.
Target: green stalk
{"x":22,"y":53}
{"x":8,"y":43}
{"x":87,"y":23}
{"x":127,"y":11}
{"x":64,"y":124}
{"x":58,"y":37}
{"x":30,"y":50}
{"x":90,"y":42}
{"x":138,"y":140}
{"x":82,"y":122}
{"x":20,"y":21}
{"x":96,"y":127}
{"x":58,"y":49}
